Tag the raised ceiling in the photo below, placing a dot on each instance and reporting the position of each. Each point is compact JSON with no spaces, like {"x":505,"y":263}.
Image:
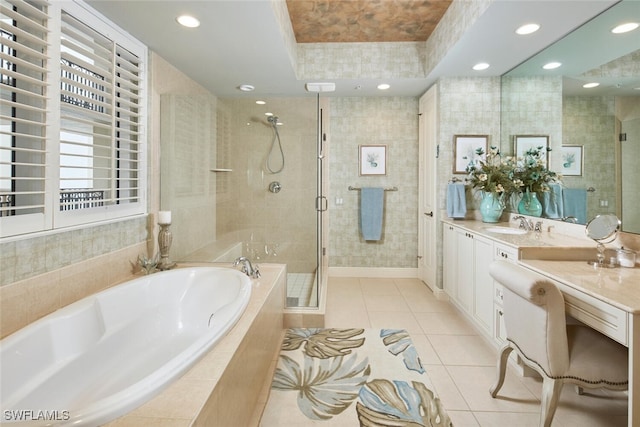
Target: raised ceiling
{"x":345,"y":21}
{"x":243,"y":42}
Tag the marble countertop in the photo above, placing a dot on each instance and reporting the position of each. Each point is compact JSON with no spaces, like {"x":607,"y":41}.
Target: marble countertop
{"x":617,"y":286}
{"x":530,"y":239}
{"x":564,"y":258}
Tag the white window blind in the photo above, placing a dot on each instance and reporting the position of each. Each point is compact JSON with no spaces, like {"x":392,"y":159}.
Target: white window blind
{"x":23,"y":131}
{"x":77,"y":153}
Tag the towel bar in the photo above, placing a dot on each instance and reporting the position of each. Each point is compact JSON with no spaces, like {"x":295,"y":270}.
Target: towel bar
{"x":386,"y":189}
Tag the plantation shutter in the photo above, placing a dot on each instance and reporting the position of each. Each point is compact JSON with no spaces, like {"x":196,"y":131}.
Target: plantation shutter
{"x":72,"y":114}
{"x":100,"y":147}
{"x":23,"y":131}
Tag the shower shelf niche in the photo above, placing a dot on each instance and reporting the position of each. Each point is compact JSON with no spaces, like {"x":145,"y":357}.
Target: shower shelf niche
{"x":221,"y":170}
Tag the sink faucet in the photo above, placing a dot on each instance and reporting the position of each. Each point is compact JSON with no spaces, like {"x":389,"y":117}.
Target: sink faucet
{"x":247,"y":268}
{"x":524,"y":223}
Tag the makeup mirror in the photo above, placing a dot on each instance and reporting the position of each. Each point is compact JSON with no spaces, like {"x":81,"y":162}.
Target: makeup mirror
{"x":602,"y":229}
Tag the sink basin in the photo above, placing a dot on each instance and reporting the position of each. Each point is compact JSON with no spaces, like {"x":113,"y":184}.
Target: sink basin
{"x":505,"y":230}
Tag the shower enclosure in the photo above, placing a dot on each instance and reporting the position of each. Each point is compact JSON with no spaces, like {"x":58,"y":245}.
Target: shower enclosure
{"x":266,"y":183}
{"x":268,"y":202}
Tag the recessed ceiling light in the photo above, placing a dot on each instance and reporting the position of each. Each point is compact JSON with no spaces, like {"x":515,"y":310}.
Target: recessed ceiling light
{"x":268,"y":114}
{"x":481,"y":66}
{"x":384,"y":86}
{"x":552,"y":65}
{"x":527,"y":29}
{"x":590,"y":85}
{"x":260,"y":102}
{"x":246,"y":88}
{"x":625,"y":28}
{"x":188,"y":21}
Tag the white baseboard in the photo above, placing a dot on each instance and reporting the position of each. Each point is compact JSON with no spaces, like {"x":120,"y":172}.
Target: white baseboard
{"x":399,"y":273}
{"x":440,"y":294}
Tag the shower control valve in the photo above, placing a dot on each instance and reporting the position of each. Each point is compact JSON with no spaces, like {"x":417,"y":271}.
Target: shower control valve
{"x":275,"y":187}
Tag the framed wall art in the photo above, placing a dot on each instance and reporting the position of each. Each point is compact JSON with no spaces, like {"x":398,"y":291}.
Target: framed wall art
{"x":524,"y":143}
{"x":373,"y":160}
{"x":572,"y":160}
{"x":466,"y":149}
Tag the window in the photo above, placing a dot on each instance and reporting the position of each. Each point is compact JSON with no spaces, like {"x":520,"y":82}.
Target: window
{"x":72,"y":142}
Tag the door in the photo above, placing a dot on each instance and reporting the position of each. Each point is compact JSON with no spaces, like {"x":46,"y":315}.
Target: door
{"x":321,"y":199}
{"x":427,"y":136}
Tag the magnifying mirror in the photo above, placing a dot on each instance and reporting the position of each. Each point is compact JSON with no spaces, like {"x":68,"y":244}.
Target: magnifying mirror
{"x":602,"y":229}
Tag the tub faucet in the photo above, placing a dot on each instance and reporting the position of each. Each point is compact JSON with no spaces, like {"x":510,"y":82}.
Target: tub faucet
{"x":247,"y":268}
{"x":527,"y":225}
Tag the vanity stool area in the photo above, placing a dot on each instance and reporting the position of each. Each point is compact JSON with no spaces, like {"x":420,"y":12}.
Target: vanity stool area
{"x":605,"y":299}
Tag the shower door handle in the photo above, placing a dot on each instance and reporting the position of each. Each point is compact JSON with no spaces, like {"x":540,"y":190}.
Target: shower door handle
{"x":320,"y":206}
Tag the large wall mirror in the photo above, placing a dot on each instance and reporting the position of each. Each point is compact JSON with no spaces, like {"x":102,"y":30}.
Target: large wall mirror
{"x":594,"y":133}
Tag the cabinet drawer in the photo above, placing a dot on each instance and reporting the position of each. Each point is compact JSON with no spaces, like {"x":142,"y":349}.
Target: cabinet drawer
{"x":505,"y":253}
{"x":602,"y":317}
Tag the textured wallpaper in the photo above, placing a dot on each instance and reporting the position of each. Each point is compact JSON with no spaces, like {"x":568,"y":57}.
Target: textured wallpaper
{"x":393,"y":122}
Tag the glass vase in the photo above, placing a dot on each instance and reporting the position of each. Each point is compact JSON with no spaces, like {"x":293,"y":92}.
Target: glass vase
{"x":530,"y":205}
{"x":491,"y":207}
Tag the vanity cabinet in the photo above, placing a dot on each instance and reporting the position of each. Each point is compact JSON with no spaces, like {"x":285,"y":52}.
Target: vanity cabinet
{"x":466,"y":278}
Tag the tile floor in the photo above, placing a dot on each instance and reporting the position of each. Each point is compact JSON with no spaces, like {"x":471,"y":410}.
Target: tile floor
{"x":461,"y":363}
{"x":299,"y":289}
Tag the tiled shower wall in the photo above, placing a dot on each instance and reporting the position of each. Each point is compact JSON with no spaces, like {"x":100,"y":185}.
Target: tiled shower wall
{"x":278,"y":227}
{"x":392,"y":121}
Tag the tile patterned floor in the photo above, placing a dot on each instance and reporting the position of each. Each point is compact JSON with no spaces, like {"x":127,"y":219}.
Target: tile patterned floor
{"x":460,"y":363}
{"x":299,"y":289}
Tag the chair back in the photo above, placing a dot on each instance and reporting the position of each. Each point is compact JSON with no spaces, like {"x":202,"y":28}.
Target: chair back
{"x":534,"y":316}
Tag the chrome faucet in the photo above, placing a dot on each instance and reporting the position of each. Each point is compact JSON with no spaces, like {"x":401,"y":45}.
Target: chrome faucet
{"x":247,"y":268}
{"x":524,"y":223}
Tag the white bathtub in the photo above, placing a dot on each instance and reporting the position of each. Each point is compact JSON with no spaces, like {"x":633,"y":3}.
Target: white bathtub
{"x":101,"y":357}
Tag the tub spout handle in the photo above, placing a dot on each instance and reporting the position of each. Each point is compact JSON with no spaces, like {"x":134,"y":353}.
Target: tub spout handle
{"x":247,"y":268}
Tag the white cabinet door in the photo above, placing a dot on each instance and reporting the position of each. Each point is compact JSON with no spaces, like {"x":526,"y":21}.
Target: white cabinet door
{"x":483,"y":283}
{"x":449,"y":258}
{"x":464,"y":266}
{"x":504,"y":253}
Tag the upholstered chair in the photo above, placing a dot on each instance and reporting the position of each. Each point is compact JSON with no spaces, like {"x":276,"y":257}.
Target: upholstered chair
{"x":561,"y":353}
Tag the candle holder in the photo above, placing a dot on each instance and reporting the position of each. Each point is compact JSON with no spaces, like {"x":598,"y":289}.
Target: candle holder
{"x":164,"y":244}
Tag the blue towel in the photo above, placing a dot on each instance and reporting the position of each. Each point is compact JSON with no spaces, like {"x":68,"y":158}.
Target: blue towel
{"x":371,"y":210}
{"x":456,"y":201}
{"x":575,"y":203}
{"x":552,"y":205}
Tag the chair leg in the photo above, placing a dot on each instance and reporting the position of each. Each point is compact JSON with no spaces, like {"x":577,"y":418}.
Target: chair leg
{"x":550,"y":394}
{"x":503,"y":358}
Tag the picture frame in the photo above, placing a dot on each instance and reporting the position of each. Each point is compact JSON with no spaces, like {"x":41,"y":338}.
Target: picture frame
{"x":465,"y":151}
{"x":373,"y":159}
{"x":523,"y":143}
{"x":572,"y":160}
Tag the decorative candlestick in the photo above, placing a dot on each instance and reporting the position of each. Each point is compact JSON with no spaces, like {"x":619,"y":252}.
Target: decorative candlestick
{"x":164,"y":240}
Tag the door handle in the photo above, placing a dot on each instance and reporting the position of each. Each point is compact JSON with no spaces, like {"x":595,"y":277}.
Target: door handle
{"x":429,"y":214}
